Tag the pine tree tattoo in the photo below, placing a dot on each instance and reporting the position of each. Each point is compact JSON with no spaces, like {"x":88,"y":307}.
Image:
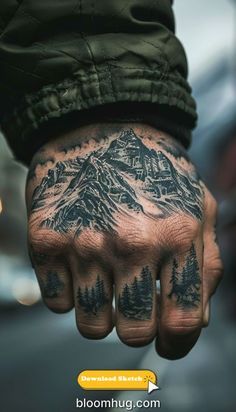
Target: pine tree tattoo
{"x":52,"y":287}
{"x":92,"y":299}
{"x":136,"y":299}
{"x":186,"y":283}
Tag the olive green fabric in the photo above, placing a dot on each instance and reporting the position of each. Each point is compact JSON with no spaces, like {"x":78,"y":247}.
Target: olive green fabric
{"x":63,"y":57}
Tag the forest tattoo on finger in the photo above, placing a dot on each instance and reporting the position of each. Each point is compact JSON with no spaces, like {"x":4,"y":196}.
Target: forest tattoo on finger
{"x":136,"y":299}
{"x":52,"y":286}
{"x":186,"y":282}
{"x":93,"y":299}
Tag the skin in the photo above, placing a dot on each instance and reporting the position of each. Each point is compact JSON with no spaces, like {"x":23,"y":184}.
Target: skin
{"x":113,"y":208}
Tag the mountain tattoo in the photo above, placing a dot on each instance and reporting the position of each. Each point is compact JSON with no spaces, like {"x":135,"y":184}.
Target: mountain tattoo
{"x":136,"y":299}
{"x":89,"y":192}
{"x":186,"y":282}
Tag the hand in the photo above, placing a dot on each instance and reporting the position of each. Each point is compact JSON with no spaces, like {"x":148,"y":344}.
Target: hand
{"x":123,"y":206}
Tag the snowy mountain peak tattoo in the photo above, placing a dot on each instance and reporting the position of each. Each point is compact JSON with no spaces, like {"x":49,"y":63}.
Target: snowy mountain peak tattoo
{"x":88,"y":192}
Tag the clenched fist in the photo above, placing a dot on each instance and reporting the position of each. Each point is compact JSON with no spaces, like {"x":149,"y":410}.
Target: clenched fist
{"x":112,"y":209}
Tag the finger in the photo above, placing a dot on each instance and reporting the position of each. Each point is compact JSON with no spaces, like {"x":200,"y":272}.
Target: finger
{"x":212,"y":273}
{"x":93,"y":291}
{"x":212,"y":264}
{"x":136,"y":307}
{"x":181,"y":303}
{"x":207,"y":314}
{"x":55,"y":283}
{"x":48,"y":255}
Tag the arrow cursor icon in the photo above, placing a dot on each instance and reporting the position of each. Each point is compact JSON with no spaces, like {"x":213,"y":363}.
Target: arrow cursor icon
{"x":152,"y":387}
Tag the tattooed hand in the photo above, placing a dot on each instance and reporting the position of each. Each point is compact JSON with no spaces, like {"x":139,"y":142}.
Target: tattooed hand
{"x":122,"y":206}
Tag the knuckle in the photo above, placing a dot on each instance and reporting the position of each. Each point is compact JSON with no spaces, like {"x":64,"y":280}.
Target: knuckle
{"x":59,"y":306}
{"x":182,"y":326}
{"x":88,"y":245}
{"x":215,"y":272}
{"x":92,"y":331}
{"x":136,"y":336}
{"x":45,"y":242}
{"x":130,"y":243}
{"x":184,"y":235}
{"x":214,"y":268}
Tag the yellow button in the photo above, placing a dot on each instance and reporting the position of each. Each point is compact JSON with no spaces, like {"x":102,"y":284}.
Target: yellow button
{"x":138,"y":380}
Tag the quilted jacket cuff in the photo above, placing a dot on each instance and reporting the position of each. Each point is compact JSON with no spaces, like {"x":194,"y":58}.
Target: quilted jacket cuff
{"x":168,"y":93}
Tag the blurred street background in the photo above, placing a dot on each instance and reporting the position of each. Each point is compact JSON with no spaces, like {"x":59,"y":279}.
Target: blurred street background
{"x":41,"y":353}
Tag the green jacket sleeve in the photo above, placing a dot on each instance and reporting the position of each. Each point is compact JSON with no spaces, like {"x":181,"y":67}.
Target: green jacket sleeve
{"x":67,"y":59}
